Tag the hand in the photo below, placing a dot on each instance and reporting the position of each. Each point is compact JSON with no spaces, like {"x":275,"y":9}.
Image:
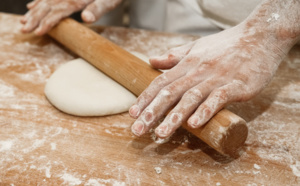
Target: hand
{"x":44,"y":14}
{"x":207,"y":74}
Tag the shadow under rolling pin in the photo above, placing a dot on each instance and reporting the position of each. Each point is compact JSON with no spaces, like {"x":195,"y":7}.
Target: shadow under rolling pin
{"x":225,"y":132}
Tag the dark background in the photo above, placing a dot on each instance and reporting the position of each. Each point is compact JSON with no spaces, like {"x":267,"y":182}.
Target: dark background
{"x":14,"y":6}
{"x":19,"y":7}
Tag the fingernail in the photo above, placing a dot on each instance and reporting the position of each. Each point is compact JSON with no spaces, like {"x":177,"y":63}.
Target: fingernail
{"x":137,"y":128}
{"x":175,"y":118}
{"x":194,"y":121}
{"x":134,"y":111}
{"x":148,"y":117}
{"x":89,"y":16}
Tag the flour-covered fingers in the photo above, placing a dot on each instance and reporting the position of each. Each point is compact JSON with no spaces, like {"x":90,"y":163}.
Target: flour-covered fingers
{"x":152,"y":113}
{"x":154,"y":88}
{"x":44,"y":14}
{"x":185,"y":108}
{"x":171,"y":57}
{"x":167,"y":97}
{"x":215,"y":102}
{"x":33,"y":18}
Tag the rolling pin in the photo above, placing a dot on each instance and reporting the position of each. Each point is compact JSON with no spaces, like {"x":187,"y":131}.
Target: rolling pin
{"x":225,"y":132}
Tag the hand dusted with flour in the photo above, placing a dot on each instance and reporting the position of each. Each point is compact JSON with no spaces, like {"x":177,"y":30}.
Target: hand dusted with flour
{"x":207,"y":74}
{"x":44,"y":14}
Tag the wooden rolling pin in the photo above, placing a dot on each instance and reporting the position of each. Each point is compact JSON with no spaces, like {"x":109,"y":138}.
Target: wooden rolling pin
{"x":225,"y":132}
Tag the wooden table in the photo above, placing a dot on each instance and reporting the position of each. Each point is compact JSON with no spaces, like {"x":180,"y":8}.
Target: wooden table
{"x":40,"y":145}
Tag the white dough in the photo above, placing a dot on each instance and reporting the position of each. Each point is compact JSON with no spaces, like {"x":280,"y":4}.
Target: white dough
{"x":80,"y":89}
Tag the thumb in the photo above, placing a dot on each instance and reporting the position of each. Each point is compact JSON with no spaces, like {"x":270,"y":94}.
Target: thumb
{"x":172,"y":57}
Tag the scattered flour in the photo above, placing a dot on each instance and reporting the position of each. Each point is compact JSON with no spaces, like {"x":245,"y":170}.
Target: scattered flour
{"x":53,"y":146}
{"x":157,"y":139}
{"x":296,"y":168}
{"x":102,"y":182}
{"x":256,"y":166}
{"x":157,"y":170}
{"x":6,"y":91}
{"x":5,"y":145}
{"x":70,"y":179}
{"x":47,"y":172}
{"x":108,"y":131}
{"x":274,"y":16}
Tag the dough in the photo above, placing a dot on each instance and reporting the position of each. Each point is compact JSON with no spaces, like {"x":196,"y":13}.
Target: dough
{"x":80,"y":89}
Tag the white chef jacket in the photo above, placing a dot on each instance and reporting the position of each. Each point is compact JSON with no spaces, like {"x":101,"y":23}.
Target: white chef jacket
{"x":185,"y":16}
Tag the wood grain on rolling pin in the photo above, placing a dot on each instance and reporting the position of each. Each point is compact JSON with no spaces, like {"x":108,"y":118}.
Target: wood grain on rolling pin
{"x":225,"y":132}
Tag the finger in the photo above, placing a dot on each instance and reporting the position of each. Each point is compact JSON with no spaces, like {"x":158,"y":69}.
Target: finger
{"x":97,"y":9}
{"x":215,"y":102}
{"x":34,"y":16}
{"x":48,"y":22}
{"x":23,"y":19}
{"x":171,"y":57}
{"x":156,"y":85}
{"x":167,"y":97}
{"x":92,"y":12}
{"x":186,"y":106}
{"x":32,"y":4}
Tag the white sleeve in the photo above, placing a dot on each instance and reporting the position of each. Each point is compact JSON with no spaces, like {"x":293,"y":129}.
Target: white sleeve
{"x":227,"y":13}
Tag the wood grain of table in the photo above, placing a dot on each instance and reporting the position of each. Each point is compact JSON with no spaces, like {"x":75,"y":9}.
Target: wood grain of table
{"x":40,"y":145}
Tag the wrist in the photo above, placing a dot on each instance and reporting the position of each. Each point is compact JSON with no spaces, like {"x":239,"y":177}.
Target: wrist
{"x":276,"y":23}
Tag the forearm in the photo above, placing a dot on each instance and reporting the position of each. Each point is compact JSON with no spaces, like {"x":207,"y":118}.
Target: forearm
{"x":276,"y":22}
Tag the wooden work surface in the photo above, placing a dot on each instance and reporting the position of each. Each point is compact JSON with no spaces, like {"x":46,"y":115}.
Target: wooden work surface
{"x":40,"y":145}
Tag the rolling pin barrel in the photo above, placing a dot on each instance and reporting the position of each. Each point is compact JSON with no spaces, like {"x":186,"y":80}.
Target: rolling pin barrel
{"x":225,"y":132}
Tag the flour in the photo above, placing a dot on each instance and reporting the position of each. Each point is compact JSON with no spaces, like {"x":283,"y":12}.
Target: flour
{"x":53,"y":146}
{"x":6,"y":91}
{"x":296,"y":168}
{"x":155,"y":46}
{"x":47,"y":172}
{"x":108,"y":131}
{"x":158,"y":140}
{"x":274,"y":17}
{"x":5,"y":145}
{"x":70,"y":179}
{"x":158,"y":170}
{"x":100,"y":182}
{"x":37,"y":143}
{"x":256,"y":166}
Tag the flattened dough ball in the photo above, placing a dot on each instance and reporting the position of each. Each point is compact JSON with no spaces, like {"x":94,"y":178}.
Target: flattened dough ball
{"x":80,"y":89}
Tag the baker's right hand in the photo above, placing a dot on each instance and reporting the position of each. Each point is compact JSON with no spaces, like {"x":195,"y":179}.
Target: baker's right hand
{"x":44,"y":14}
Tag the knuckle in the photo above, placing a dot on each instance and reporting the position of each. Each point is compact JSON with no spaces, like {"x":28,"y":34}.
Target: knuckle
{"x":80,"y":4}
{"x":193,"y":94}
{"x":171,"y":57}
{"x":165,"y":94}
{"x":221,"y":95}
{"x":160,"y":80}
{"x":242,"y":77}
{"x":246,"y":92}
